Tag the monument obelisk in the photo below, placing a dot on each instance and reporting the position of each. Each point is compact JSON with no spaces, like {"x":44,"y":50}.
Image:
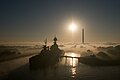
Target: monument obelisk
{"x":83,"y":35}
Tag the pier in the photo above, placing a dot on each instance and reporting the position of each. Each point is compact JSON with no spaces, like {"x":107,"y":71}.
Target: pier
{"x":70,"y":57}
{"x":66,"y":57}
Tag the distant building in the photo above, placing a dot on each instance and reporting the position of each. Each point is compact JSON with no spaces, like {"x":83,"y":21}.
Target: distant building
{"x":83,"y":36}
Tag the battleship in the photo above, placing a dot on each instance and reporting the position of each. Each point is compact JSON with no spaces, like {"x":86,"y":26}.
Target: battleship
{"x":47,"y":57}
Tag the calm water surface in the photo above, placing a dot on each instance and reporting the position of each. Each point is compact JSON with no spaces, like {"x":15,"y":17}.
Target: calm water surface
{"x":68,"y":69}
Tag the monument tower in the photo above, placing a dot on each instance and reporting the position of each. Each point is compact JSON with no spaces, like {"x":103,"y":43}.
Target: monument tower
{"x":83,"y":35}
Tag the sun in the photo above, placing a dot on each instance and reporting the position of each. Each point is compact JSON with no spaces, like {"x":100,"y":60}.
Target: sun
{"x":72,"y":27}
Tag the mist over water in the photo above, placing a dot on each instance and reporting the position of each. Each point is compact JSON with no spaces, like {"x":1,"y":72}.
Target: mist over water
{"x":67,"y":69}
{"x":72,"y":70}
{"x":86,"y":43}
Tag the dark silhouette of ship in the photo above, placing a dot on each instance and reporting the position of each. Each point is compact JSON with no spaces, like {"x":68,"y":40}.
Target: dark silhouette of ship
{"x":47,"y":57}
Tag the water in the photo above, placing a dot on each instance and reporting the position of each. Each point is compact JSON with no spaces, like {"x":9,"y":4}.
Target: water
{"x":68,"y":69}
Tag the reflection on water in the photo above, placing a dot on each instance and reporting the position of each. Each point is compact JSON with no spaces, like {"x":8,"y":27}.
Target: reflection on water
{"x":73,"y":70}
{"x":68,"y":69}
{"x":73,"y":54}
{"x":71,"y":61}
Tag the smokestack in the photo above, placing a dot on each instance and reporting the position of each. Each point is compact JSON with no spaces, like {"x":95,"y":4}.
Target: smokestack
{"x":82,"y":35}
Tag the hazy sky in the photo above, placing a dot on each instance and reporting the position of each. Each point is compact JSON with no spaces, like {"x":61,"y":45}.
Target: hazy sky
{"x":34,"y":20}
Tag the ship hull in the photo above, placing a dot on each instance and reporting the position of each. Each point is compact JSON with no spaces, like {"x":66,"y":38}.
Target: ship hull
{"x":42,"y":62}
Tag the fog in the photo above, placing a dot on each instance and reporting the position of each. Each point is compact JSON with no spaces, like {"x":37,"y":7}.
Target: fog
{"x":14,"y":61}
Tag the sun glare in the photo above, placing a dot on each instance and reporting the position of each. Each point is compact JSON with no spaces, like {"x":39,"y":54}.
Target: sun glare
{"x":73,"y":54}
{"x":72,"y":27}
